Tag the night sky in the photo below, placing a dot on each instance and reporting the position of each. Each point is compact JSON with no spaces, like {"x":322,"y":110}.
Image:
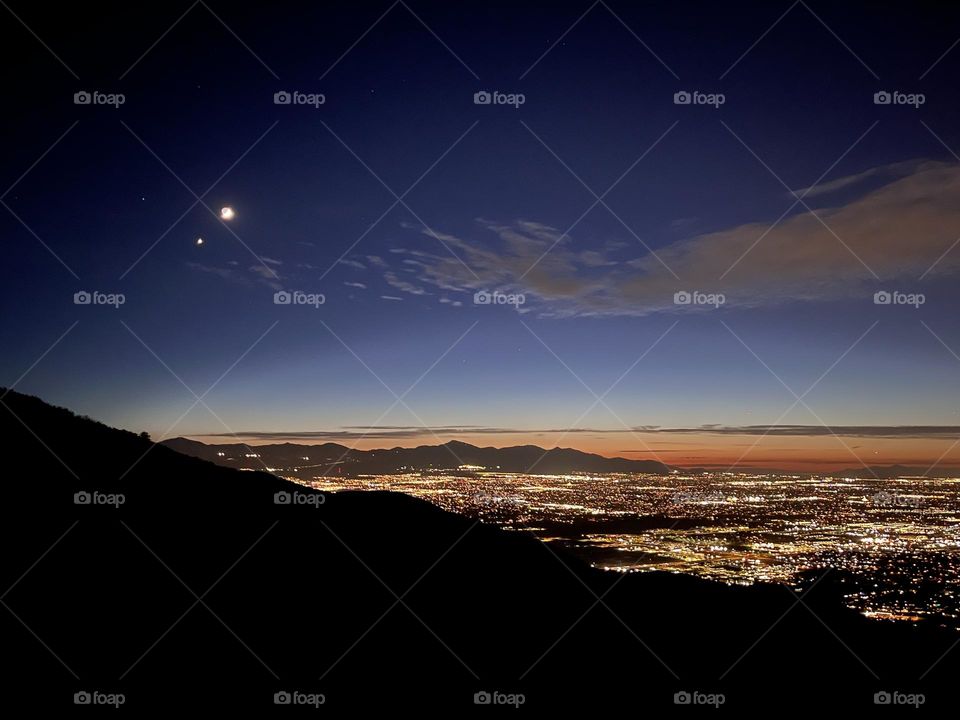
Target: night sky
{"x":399,"y":198}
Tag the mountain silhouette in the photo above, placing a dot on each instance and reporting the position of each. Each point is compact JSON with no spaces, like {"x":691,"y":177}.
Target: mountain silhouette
{"x":212,"y":589}
{"x":333,"y":459}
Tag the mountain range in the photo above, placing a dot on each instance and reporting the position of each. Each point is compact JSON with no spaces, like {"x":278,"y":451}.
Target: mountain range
{"x":309,"y":461}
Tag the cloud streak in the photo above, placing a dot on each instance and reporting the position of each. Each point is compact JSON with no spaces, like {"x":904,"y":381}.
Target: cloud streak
{"x":912,"y":432}
{"x":892,"y":232}
{"x":412,"y":432}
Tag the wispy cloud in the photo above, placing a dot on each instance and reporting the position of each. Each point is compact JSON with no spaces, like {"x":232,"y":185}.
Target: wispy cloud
{"x":267,"y":276}
{"x":233,"y":273}
{"x":403,"y":285}
{"x":411,"y":432}
{"x":912,"y":432}
{"x":393,"y":432}
{"x":227,"y":273}
{"x":884,"y":171}
{"x":894,"y":231}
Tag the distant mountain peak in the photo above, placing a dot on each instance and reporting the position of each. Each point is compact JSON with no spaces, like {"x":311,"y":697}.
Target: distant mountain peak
{"x":332,"y":459}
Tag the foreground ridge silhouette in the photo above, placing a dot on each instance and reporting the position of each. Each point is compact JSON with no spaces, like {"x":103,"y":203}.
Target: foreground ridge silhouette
{"x":205,"y":589}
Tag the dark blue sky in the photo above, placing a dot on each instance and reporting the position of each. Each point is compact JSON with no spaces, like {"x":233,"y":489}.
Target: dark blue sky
{"x":510,"y":183}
